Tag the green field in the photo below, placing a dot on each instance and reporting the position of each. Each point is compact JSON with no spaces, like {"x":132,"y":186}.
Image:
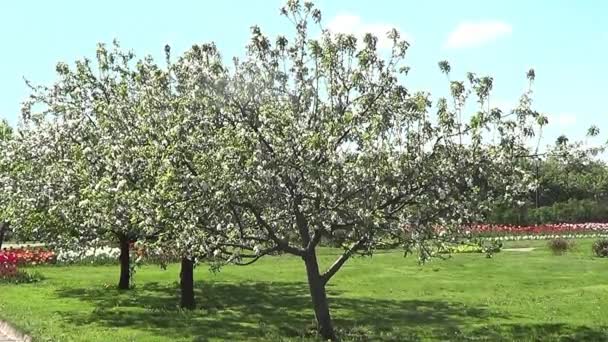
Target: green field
{"x":516,"y":295}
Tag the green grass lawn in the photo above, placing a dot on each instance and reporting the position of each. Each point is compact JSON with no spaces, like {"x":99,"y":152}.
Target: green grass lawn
{"x":515,"y":296}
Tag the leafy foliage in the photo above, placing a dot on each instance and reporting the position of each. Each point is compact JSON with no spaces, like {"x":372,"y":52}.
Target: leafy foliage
{"x":95,"y":173}
{"x":570,"y":211}
{"x":336,"y":148}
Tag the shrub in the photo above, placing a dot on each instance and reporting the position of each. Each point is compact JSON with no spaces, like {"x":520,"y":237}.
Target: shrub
{"x":465,"y":249}
{"x":600,"y":248}
{"x":22,"y":277}
{"x":480,"y":247}
{"x":492,"y":248}
{"x":560,"y":246}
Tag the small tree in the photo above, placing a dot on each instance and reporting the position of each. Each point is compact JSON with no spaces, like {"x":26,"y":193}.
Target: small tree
{"x":321,"y":142}
{"x":126,"y":150}
{"x":185,"y":203}
{"x":92,"y":136}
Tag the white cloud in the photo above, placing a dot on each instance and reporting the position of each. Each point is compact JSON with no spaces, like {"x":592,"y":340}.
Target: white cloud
{"x":352,"y":24}
{"x":564,"y":120}
{"x":470,"y":34}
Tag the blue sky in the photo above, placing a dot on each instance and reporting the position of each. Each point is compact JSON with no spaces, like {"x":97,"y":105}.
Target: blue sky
{"x":565,"y":41}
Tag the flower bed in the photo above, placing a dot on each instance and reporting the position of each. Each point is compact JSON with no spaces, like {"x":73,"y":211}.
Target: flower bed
{"x":93,"y":256}
{"x":105,"y":255}
{"x":28,"y":256}
{"x":8,"y":265}
{"x":538,"y":232}
{"x":12,"y":259}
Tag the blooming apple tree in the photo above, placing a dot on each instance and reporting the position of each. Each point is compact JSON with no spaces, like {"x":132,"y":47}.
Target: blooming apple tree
{"x":91,"y":134}
{"x":321,"y":141}
{"x":187,"y":203}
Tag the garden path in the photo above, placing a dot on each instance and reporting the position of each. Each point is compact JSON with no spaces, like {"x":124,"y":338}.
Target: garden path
{"x":4,"y":338}
{"x":522,"y":249}
{"x":9,"y":334}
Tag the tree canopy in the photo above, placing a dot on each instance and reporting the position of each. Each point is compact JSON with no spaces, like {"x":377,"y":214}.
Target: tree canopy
{"x":306,"y":140}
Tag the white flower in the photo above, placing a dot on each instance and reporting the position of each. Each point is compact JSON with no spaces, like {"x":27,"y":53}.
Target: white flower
{"x":121,"y":184}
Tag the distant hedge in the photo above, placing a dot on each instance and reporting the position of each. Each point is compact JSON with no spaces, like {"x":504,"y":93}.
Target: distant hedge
{"x":572,"y":211}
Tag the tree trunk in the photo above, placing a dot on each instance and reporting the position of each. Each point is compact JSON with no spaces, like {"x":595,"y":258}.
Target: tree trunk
{"x":187,"y":284}
{"x":125,"y":263}
{"x":3,"y":228}
{"x":319,"y":297}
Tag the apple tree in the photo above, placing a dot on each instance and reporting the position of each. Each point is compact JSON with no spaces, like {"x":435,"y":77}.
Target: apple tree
{"x":321,"y":142}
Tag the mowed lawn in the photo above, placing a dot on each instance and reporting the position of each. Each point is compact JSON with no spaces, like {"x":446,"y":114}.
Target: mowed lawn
{"x":515,"y":296}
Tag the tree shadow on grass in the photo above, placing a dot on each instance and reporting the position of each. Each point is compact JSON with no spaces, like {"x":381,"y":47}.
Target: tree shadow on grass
{"x":266,"y":311}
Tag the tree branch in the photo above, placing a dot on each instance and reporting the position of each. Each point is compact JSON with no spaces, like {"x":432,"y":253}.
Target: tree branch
{"x":282,"y":244}
{"x":338,"y":263}
{"x":257,"y":257}
{"x":316,"y":238}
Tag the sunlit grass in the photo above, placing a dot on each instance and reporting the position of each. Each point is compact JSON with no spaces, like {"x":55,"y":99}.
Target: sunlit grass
{"x":514,"y":296}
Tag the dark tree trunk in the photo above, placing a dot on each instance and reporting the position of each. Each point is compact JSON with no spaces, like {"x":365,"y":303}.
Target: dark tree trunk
{"x":3,"y":228}
{"x":319,"y":298}
{"x":187,"y":284}
{"x":125,"y":263}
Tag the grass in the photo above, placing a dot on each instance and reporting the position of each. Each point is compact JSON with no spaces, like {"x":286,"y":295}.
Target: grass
{"x":515,"y":296}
